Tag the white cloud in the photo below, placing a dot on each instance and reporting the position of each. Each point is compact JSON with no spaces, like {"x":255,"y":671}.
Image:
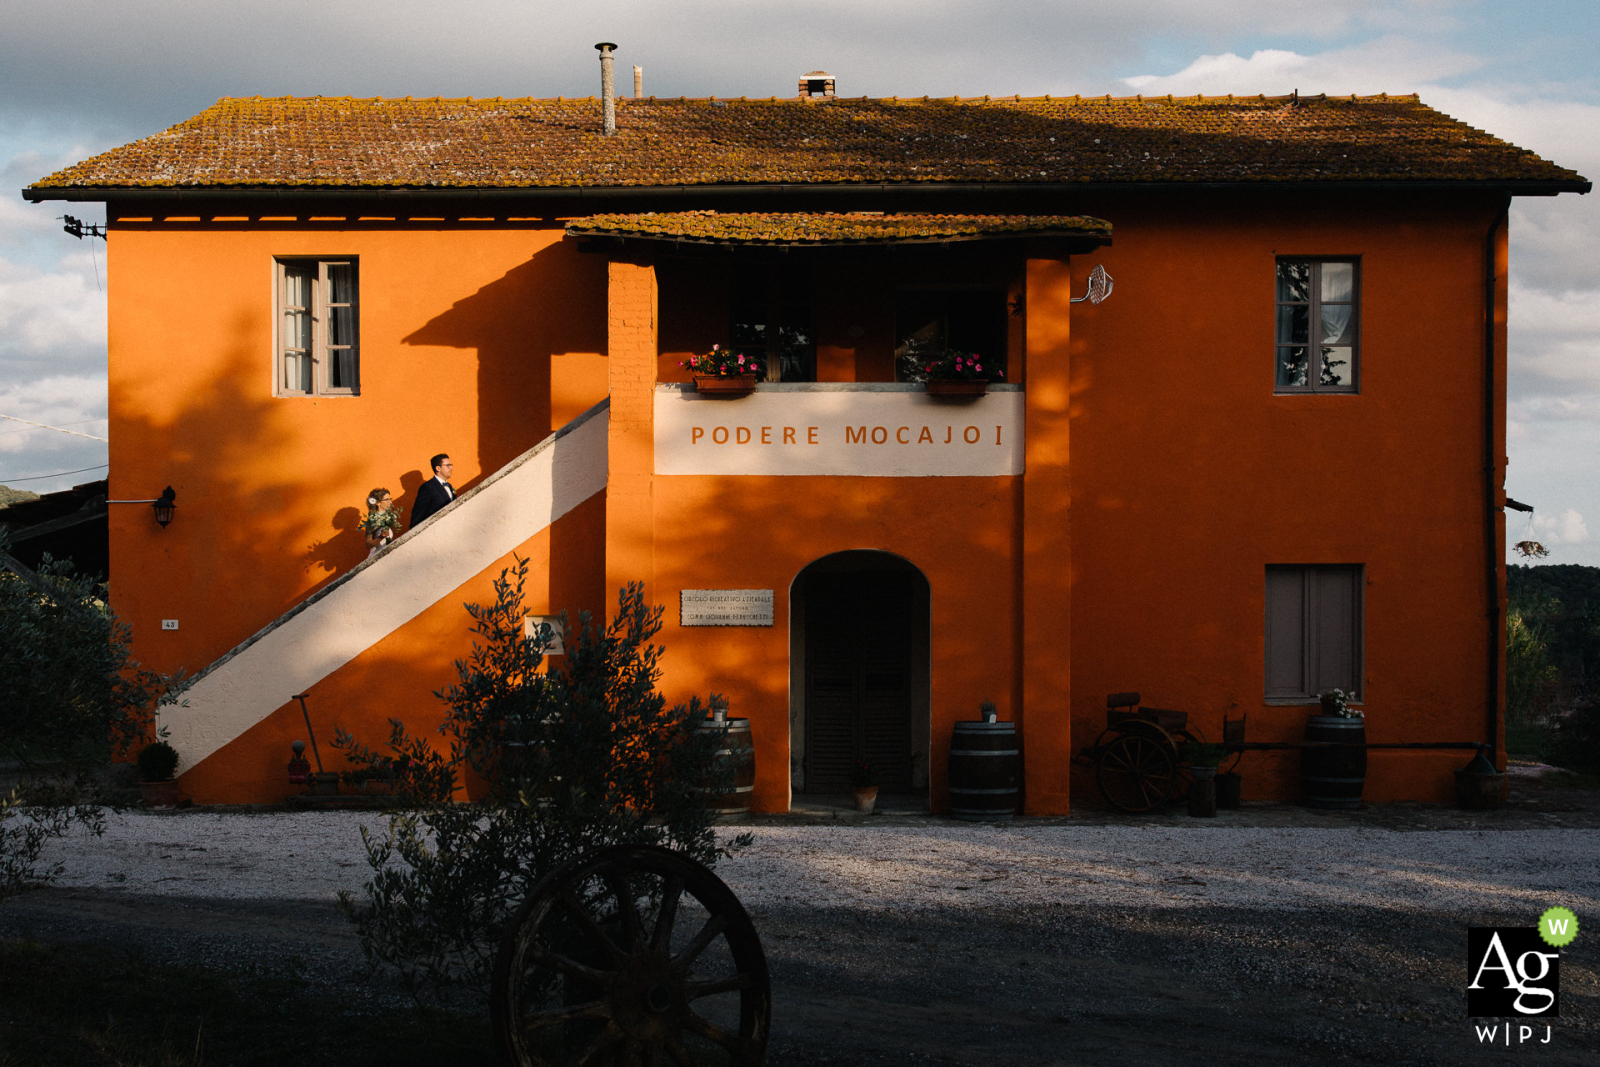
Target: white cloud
{"x":1556,"y":342}
{"x":1567,"y":528}
{"x":76,"y":402}
{"x":1386,"y":65}
{"x":52,"y":317}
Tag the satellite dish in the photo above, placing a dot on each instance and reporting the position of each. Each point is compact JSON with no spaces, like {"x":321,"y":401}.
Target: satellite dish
{"x":1100,"y":284}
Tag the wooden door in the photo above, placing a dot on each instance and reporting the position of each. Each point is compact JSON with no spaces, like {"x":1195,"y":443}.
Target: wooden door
{"x":858,"y":679}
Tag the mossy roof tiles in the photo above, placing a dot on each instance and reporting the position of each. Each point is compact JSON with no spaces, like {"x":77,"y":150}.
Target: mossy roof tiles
{"x":509,"y":143}
{"x":798,"y":228}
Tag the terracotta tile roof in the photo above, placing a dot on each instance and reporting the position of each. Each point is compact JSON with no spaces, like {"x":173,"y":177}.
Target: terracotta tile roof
{"x":772,"y":228}
{"x":343,"y":142}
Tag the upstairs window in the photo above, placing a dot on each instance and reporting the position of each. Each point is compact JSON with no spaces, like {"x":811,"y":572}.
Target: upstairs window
{"x":318,"y":353}
{"x":928,"y":322}
{"x":1318,"y":326}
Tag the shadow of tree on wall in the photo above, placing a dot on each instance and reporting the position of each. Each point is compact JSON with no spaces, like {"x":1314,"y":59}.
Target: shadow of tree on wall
{"x":523,"y":326}
{"x":236,"y":554}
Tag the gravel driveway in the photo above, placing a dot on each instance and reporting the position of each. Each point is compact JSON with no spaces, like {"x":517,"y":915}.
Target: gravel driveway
{"x":910,"y":939}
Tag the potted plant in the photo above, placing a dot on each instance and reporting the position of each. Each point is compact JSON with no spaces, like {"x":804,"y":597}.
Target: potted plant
{"x":158,"y":766}
{"x":1202,"y":761}
{"x":864,"y":784}
{"x":1334,"y":769}
{"x":723,"y":372}
{"x":958,"y":374}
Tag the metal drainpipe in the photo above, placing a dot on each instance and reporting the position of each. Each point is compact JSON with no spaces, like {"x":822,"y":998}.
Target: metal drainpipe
{"x":1491,"y":463}
{"x":608,"y":89}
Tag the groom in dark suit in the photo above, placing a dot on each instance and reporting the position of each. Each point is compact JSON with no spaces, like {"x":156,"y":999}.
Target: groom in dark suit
{"x":434,"y":493}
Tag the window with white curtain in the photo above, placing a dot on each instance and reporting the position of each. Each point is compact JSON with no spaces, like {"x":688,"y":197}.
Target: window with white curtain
{"x":317,"y":350}
{"x":1318,"y":347}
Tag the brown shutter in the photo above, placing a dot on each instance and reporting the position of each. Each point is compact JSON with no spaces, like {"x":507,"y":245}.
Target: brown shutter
{"x":1286,"y":632}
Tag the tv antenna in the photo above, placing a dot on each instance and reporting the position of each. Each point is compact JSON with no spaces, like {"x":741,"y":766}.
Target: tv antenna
{"x":80,"y":229}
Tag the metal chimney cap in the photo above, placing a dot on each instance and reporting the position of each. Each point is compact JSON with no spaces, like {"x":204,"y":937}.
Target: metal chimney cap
{"x":603,"y":45}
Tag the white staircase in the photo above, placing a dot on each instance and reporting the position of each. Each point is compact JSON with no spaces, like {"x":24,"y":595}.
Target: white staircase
{"x":351,"y":614}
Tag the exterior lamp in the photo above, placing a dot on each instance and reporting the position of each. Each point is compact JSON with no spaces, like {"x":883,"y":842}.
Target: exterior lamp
{"x":163,"y":506}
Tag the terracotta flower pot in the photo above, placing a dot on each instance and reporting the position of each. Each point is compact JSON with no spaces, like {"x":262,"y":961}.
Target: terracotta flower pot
{"x":725,"y":386}
{"x":957,"y":388}
{"x":866,"y":798}
{"x":161,"y":794}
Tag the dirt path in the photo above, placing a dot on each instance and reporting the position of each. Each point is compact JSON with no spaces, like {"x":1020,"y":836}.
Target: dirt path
{"x":1063,"y":985}
{"x":993,"y":982}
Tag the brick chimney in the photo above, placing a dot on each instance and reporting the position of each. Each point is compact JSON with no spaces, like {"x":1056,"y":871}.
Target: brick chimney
{"x":818,"y":85}
{"x":608,"y":89}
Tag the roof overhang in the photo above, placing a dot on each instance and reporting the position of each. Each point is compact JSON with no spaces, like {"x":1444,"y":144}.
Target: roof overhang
{"x":796,"y":231}
{"x":567,"y":196}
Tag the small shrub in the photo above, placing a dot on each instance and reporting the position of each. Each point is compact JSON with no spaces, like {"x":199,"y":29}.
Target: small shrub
{"x":158,"y":762}
{"x":585,"y":755}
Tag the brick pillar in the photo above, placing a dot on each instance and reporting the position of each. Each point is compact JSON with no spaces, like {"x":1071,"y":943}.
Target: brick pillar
{"x":631,"y":351}
{"x":1046,"y":711}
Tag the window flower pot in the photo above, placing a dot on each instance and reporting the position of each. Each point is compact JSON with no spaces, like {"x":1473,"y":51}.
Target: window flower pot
{"x":729,"y":386}
{"x":957,"y":388}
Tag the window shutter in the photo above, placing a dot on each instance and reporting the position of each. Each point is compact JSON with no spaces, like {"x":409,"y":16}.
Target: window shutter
{"x":1337,"y":665}
{"x":1286,"y":632}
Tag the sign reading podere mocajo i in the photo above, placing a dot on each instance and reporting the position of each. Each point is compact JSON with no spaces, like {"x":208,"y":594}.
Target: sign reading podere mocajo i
{"x":863,"y":434}
{"x":725,"y":607}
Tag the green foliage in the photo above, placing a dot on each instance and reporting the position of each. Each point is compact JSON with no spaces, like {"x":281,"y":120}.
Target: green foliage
{"x":585,"y":755}
{"x":1575,"y":738}
{"x":29,"y":819}
{"x":74,"y":693}
{"x":158,"y":762}
{"x":73,"y":696}
{"x":1562,"y":603}
{"x":1198,"y":754}
{"x":1529,"y":672}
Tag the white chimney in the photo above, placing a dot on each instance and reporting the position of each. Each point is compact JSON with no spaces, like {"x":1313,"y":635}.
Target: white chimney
{"x":608,"y":89}
{"x":818,"y":85}
{"x":638,"y":83}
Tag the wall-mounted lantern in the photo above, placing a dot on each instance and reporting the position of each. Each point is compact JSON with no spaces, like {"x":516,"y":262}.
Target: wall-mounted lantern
{"x":163,"y":506}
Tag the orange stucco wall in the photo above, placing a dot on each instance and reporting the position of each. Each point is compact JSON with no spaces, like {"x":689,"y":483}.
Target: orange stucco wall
{"x":1190,"y":476}
{"x":476,"y":340}
{"x":400,"y":675}
{"x":1163,"y":475}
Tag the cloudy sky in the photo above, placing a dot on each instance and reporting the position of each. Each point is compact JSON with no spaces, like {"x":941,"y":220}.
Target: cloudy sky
{"x":85,"y":75}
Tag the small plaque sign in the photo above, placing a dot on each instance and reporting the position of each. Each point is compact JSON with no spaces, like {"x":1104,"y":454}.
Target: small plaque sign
{"x":725,"y":607}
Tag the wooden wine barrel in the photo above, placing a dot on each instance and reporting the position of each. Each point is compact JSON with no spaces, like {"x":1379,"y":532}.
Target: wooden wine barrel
{"x":1333,"y":777}
{"x":736,"y":747}
{"x":985,"y":771}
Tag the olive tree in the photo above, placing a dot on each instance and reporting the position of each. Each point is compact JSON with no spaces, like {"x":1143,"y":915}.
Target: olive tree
{"x":540,"y":762}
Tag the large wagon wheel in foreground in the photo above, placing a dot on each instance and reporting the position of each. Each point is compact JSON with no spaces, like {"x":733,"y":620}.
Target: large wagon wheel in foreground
{"x":1137,"y":772}
{"x":631,"y":955}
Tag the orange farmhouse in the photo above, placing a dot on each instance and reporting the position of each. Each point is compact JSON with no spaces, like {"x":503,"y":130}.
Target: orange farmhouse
{"x":1264,"y":459}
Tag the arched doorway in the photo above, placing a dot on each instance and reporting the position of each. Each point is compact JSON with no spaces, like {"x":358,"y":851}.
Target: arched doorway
{"x":859,"y":672}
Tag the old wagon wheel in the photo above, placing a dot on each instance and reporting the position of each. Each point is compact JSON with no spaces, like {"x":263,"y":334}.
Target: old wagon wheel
{"x":631,"y":955}
{"x":1136,"y":772}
